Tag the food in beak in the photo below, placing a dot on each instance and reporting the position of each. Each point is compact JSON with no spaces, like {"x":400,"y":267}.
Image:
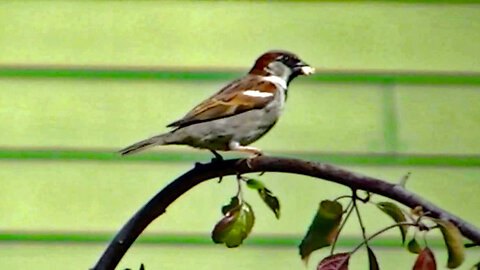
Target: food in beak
{"x":307,"y":70}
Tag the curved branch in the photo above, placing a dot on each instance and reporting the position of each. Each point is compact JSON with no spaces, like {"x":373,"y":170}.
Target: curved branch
{"x":202,"y":172}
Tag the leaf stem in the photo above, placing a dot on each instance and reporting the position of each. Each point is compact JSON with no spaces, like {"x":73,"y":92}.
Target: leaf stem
{"x":382,"y":231}
{"x":359,"y":216}
{"x":239,"y":187}
{"x":349,"y":211}
{"x":342,"y":197}
{"x":364,"y":200}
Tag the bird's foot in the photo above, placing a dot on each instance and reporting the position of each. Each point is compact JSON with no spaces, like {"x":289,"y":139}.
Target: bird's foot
{"x":199,"y":164}
{"x":235,"y":146}
{"x":218,"y":158}
{"x":249,"y":160}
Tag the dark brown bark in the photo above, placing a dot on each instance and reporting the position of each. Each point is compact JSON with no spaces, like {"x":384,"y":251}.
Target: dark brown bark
{"x":202,"y":172}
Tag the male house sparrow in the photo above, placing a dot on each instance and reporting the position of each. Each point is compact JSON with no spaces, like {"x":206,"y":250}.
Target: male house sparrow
{"x":240,"y":113}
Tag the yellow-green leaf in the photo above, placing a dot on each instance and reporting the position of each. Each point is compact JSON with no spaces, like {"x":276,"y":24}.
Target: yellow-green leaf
{"x":249,"y":217}
{"x":323,"y":229}
{"x":413,"y":246}
{"x":235,"y":226}
{"x":255,"y":184}
{"x":396,"y":214}
{"x":454,"y":242}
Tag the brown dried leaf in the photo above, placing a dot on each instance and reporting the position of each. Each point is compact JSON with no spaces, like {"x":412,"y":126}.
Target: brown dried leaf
{"x":372,"y":260}
{"x":335,"y":262}
{"x":425,"y":260}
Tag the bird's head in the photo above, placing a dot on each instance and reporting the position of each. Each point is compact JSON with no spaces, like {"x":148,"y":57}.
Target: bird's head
{"x":283,"y":64}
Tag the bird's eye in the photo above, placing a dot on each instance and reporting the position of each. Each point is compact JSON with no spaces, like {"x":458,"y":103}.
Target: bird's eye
{"x":283,"y":58}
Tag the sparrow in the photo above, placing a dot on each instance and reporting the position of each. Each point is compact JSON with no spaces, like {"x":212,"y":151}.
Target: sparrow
{"x":240,"y":113}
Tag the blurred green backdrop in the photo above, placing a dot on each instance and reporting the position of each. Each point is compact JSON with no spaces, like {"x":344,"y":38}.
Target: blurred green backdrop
{"x":398,"y":91}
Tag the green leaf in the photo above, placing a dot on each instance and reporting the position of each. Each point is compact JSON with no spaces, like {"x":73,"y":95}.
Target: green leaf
{"x":234,"y":202}
{"x":453,"y":241}
{"x":372,"y":260}
{"x":266,"y":195}
{"x":271,"y":201}
{"x":249,"y":217}
{"x":235,"y":226}
{"x":394,"y":212}
{"x":425,"y":260}
{"x":413,"y":246}
{"x":476,"y":266}
{"x":255,"y":184}
{"x":335,"y":262}
{"x":323,"y":229}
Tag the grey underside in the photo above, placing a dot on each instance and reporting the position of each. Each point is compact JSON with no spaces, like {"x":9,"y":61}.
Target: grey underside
{"x":243,"y":128}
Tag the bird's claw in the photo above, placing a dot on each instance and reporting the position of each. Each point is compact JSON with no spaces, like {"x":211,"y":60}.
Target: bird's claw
{"x":250,"y":159}
{"x":218,"y":158}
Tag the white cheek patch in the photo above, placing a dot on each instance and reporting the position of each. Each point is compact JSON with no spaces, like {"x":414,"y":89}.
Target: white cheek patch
{"x":276,"y":80}
{"x":256,"y":93}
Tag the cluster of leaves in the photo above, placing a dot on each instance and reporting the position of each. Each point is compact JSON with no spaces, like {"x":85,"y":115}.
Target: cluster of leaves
{"x":238,"y":217}
{"x":238,"y":220}
{"x":328,"y":223}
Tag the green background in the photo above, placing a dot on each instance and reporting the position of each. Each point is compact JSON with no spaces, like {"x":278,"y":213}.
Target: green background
{"x":64,"y":193}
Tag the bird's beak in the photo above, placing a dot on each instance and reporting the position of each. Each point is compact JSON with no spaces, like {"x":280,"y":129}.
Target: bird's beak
{"x":307,"y":70}
{"x":302,"y":68}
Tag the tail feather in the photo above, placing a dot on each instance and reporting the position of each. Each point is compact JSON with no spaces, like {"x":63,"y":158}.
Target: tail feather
{"x":143,"y":145}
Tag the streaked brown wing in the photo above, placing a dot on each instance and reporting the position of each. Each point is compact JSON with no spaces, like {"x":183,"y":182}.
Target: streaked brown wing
{"x":230,"y":100}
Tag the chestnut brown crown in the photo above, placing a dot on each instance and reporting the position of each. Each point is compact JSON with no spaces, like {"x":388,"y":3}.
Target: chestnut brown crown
{"x":290,"y":60}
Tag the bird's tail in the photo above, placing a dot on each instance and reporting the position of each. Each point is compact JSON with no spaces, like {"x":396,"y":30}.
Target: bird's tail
{"x":143,"y":145}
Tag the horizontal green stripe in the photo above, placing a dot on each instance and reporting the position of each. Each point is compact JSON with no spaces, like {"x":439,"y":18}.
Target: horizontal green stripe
{"x":320,"y":76}
{"x":191,"y":239}
{"x":387,"y":1}
{"x":349,"y":159}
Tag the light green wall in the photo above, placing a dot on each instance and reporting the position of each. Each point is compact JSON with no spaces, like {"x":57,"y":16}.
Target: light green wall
{"x":333,"y":35}
{"x":91,"y":197}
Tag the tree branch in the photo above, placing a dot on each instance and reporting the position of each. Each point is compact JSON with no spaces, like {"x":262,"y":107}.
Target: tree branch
{"x":202,"y":172}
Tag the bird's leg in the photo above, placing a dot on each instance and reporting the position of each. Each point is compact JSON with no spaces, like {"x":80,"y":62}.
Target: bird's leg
{"x":217,"y":158}
{"x":235,"y":146}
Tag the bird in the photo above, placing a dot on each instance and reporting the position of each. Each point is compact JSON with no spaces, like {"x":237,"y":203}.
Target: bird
{"x":240,"y":113}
